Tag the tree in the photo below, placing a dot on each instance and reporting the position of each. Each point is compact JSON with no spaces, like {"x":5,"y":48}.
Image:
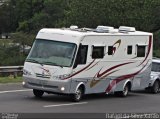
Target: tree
{"x":91,"y":13}
{"x":23,"y":38}
{"x":26,"y":17}
{"x":4,"y":18}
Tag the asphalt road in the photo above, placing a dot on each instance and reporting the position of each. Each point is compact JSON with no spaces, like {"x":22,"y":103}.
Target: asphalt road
{"x":14,"y":98}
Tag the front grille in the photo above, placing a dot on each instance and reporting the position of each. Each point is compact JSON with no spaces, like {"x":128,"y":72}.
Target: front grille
{"x":34,"y":84}
{"x":42,"y":75}
{"x":48,"y":86}
{"x":40,"y":85}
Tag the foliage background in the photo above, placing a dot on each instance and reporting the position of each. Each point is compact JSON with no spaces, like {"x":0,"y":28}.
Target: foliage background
{"x":24,"y":18}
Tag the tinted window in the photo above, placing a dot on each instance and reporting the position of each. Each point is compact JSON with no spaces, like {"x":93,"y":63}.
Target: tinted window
{"x":129,"y":50}
{"x":155,"y":67}
{"x":141,"y":51}
{"x":98,"y":52}
{"x":51,"y":52}
{"x":110,"y":50}
{"x":82,"y":54}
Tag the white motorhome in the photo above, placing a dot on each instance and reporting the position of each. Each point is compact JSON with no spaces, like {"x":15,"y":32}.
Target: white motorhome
{"x":83,"y":61}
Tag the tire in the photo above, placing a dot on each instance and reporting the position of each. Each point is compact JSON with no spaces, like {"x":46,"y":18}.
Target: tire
{"x":38,"y":93}
{"x":78,"y":95}
{"x":155,"y":88}
{"x":123,"y":93}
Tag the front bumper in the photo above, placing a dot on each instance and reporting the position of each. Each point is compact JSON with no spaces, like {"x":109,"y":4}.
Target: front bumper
{"x":47,"y":85}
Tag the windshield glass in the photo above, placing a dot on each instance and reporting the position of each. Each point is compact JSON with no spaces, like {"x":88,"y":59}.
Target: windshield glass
{"x":52,"y":53}
{"x":155,"y":67}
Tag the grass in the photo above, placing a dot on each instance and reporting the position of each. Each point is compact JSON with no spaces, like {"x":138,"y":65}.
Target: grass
{"x":10,"y":80}
{"x":5,"y":41}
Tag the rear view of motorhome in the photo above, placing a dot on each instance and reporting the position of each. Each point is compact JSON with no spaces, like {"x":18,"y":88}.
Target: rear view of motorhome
{"x":78,"y":61}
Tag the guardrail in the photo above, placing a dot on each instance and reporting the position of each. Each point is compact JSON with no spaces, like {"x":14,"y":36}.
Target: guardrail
{"x":11,"y":70}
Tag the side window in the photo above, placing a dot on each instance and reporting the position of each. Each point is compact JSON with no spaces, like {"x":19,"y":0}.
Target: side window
{"x":98,"y":52}
{"x":110,"y":50}
{"x":82,"y":54}
{"x":129,"y":50}
{"x":141,"y":51}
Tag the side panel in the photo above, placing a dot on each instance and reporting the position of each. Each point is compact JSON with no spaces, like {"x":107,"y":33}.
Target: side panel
{"x":111,"y":72}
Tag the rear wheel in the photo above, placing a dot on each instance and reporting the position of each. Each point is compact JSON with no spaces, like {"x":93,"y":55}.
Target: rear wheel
{"x":38,"y":93}
{"x":78,"y":95}
{"x":123,"y":93}
{"x":155,"y":88}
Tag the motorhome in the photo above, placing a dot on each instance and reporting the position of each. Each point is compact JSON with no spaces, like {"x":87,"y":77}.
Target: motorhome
{"x":78,"y":61}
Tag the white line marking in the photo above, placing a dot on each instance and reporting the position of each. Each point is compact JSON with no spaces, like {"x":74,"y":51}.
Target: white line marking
{"x":14,"y":91}
{"x":58,"y":105}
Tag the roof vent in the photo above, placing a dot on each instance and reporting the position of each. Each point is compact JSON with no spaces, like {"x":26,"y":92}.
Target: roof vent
{"x":126,"y":29}
{"x":73,"y":27}
{"x":104,"y":29}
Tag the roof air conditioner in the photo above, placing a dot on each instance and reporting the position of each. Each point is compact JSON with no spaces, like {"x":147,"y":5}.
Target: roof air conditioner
{"x":73,"y":27}
{"x":126,"y":29}
{"x":103,"y":29}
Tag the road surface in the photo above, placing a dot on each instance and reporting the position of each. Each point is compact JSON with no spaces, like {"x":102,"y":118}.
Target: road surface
{"x":16,"y":99}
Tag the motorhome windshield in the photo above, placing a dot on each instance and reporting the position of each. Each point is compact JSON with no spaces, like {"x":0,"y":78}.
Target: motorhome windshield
{"x":51,"y":52}
{"x":155,"y":67}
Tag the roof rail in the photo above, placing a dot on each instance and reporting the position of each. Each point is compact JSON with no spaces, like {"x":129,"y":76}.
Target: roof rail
{"x":86,"y":29}
{"x":75,"y":28}
{"x":126,"y":29}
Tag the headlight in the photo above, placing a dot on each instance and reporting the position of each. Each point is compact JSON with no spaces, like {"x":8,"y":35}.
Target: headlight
{"x":25,"y":72}
{"x":151,"y":77}
{"x":23,"y":83}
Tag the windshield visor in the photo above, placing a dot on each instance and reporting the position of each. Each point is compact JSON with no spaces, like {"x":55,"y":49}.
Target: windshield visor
{"x":51,"y":52}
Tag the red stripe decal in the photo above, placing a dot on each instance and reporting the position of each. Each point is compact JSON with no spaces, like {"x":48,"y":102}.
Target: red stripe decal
{"x":79,"y":70}
{"x":92,"y":66}
{"x":105,"y":74}
{"x":94,"y":82}
{"x":149,"y":49}
{"x":99,"y":75}
{"x":121,"y":78}
{"x":44,"y":69}
{"x":114,"y":48}
{"x":109,"y":74}
{"x":117,"y":42}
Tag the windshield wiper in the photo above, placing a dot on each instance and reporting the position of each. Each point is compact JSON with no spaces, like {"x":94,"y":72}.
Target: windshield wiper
{"x":34,"y":61}
{"x":51,"y":63}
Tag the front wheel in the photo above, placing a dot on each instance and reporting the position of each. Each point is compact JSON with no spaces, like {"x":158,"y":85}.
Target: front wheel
{"x":78,"y":95}
{"x":38,"y":93}
{"x":155,"y":88}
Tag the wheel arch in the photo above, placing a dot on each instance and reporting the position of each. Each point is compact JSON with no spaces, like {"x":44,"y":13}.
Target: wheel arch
{"x":82,"y":85}
{"x":128,"y":82}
